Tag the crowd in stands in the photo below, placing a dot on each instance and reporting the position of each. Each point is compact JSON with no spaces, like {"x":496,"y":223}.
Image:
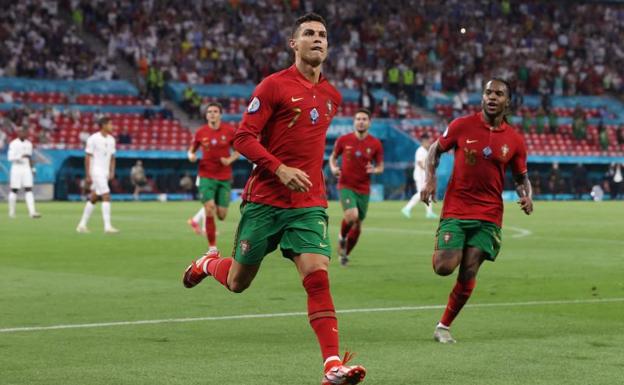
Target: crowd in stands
{"x":409,"y":45}
{"x":36,"y":41}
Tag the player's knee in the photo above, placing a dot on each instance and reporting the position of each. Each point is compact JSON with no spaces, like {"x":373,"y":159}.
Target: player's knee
{"x":445,"y":264}
{"x":237,"y":286}
{"x":443,"y":269}
{"x":210,"y":209}
{"x":221,"y":214}
{"x":351,"y":216}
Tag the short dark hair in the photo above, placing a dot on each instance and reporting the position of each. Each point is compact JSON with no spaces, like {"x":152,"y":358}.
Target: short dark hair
{"x":103,"y":120}
{"x":424,"y":136}
{"x":308,"y":17}
{"x":364,"y":111}
{"x":214,"y":104}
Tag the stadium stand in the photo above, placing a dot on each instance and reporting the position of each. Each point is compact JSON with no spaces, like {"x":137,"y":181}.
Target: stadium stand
{"x":416,"y":72}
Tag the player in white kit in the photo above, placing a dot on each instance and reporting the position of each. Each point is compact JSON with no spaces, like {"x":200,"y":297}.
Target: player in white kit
{"x":20,"y":155}
{"x":99,"y":169}
{"x":419,"y":178}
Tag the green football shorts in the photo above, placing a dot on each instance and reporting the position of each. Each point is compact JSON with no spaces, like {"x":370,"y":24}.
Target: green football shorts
{"x":213,"y":189}
{"x":460,"y":233}
{"x":296,"y":230}
{"x":350,"y":199}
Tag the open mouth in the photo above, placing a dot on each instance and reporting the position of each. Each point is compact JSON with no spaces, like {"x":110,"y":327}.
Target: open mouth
{"x":319,"y":49}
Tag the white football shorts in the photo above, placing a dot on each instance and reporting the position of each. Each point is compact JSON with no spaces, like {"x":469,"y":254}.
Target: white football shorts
{"x":21,"y":177}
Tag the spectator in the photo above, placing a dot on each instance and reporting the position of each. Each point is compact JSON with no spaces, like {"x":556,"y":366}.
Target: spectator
{"x":137,"y":178}
{"x":384,"y":107}
{"x":616,"y":176}
{"x":603,"y":137}
{"x":125,"y":137}
{"x":579,"y":123}
{"x":3,"y":138}
{"x":555,"y":180}
{"x":366,"y":99}
{"x":46,"y":121}
{"x":402,"y":106}
{"x":580,"y":180}
{"x":186,"y":183}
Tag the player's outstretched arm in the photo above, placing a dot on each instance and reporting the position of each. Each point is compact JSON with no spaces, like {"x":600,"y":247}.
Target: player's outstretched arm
{"x":432,"y":161}
{"x":525,"y":192}
{"x":333,"y":164}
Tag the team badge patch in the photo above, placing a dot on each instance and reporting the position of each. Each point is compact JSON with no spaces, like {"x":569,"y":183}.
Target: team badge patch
{"x":213,"y":141}
{"x":447,"y":237}
{"x":314,"y":115}
{"x":254,"y":105}
{"x":487,"y":151}
{"x":358,"y":153}
{"x":245,"y":246}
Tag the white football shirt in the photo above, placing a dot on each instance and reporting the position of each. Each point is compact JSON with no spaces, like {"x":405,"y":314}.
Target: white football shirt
{"x":421,"y":156}
{"x":101,"y":148}
{"x":17,"y":149}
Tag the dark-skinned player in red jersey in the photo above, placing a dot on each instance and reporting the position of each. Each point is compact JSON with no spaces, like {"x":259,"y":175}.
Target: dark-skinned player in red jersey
{"x":359,"y":150}
{"x":283,"y":132}
{"x":469,"y":233}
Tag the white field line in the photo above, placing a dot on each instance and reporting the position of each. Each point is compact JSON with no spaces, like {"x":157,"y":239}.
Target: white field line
{"x":520,"y":232}
{"x":301,"y":314}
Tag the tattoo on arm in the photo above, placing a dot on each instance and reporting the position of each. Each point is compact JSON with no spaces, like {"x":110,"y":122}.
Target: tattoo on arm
{"x":523,"y":185}
{"x":433,"y":159}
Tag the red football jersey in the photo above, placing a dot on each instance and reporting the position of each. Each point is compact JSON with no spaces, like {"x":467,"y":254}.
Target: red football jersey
{"x":356,"y":154}
{"x":481,"y":157}
{"x":215,"y":144}
{"x":286,"y":123}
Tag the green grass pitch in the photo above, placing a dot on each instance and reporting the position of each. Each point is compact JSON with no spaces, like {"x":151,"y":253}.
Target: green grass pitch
{"x":558,"y":286}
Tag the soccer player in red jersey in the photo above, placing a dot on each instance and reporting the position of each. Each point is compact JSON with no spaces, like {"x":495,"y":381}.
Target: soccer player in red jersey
{"x":469,"y":233}
{"x":216,"y":140}
{"x":283,"y":132}
{"x":359,"y":150}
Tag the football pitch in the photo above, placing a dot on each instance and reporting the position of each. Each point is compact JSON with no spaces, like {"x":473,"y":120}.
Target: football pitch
{"x":96,"y":309}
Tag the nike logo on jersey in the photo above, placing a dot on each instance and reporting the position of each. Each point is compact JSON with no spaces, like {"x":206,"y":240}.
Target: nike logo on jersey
{"x":323,"y":245}
{"x":293,"y":99}
{"x":468,"y":141}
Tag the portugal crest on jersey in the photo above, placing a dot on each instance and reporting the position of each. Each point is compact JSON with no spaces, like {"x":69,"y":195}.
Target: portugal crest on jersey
{"x":244,"y":246}
{"x":504,"y":151}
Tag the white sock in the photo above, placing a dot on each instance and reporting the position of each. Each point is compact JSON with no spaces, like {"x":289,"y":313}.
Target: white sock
{"x":86,"y":214}
{"x":106,"y":214}
{"x":30,"y":202}
{"x":12,"y":202}
{"x":429,"y":208}
{"x":199,"y":217}
{"x":413,"y":201}
{"x":442,"y":326}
